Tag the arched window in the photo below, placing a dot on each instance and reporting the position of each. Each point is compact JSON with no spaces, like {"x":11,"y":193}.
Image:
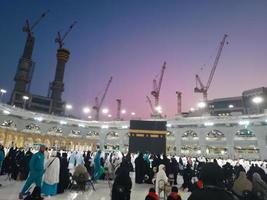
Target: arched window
{"x":32,"y":127}
{"x":76,"y":132}
{"x":215,"y":134}
{"x":245,"y":133}
{"x":9,"y":124}
{"x":92,"y":134}
{"x":55,"y":131}
{"x":112,"y":134}
{"x":189,"y":133}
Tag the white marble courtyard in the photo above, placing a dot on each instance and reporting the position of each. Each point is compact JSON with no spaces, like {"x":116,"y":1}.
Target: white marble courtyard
{"x":10,"y":190}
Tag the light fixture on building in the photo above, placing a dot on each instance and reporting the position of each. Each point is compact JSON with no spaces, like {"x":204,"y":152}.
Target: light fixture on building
{"x":68,"y":106}
{"x":6,"y":112}
{"x":201,"y":104}
{"x":244,"y":122}
{"x":104,"y":126}
{"x":257,"y":100}
{"x":208,"y":124}
{"x":63,"y":122}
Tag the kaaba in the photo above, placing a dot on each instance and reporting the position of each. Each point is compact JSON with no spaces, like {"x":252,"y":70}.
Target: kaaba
{"x":147,"y":136}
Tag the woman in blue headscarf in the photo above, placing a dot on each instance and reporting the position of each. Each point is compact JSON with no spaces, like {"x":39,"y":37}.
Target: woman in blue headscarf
{"x":97,"y":166}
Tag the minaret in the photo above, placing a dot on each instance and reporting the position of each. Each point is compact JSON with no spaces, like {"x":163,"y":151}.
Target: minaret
{"x":57,"y":86}
{"x":25,"y":67}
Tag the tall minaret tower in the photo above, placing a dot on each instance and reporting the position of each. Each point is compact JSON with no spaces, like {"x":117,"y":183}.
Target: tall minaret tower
{"x":57,"y":86}
{"x":25,"y":67}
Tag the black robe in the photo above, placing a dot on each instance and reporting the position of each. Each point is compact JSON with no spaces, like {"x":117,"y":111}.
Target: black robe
{"x":64,"y":175}
{"x":121,"y":189}
{"x":139,"y":169}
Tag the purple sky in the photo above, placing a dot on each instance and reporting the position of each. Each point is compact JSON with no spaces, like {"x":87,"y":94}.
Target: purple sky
{"x":130,"y":40}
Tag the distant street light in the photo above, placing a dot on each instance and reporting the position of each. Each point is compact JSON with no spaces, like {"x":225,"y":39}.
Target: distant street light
{"x":86,"y":110}
{"x":133,"y":113}
{"x":105,"y":110}
{"x":25,"y":99}
{"x":123,"y":111}
{"x":109,"y":115}
{"x":258,"y":100}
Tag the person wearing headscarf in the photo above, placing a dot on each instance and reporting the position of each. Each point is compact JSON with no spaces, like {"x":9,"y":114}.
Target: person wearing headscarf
{"x":79,"y":159}
{"x":139,"y":169}
{"x":97,"y":166}
{"x":64,"y":175}
{"x":165,"y":161}
{"x":259,"y":185}
{"x":51,"y":175}
{"x":242,"y":184}
{"x":152,"y":195}
{"x":212,"y":177}
{"x":162,"y":180}
{"x":36,"y":171}
{"x":88,"y":162}
{"x":121,"y":189}
{"x":72,"y":162}
{"x":188,"y":173}
{"x":174,"y":195}
{"x":26,"y":162}
{"x":174,"y":169}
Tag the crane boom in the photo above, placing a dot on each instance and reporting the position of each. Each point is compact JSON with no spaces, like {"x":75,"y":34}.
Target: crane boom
{"x":39,"y":19}
{"x":60,"y":39}
{"x":105,"y":93}
{"x":199,"y":81}
{"x":216,"y":61}
{"x":98,"y":104}
{"x":150,"y":103}
{"x":161,"y":76}
{"x":204,"y":89}
{"x":28,"y":28}
{"x":157,"y":87}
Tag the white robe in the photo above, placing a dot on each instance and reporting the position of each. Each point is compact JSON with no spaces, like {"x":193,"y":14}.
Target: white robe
{"x":161,"y":175}
{"x":51,"y":175}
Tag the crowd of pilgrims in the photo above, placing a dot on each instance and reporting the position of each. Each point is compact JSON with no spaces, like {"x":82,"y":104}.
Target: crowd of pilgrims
{"x":52,"y":172}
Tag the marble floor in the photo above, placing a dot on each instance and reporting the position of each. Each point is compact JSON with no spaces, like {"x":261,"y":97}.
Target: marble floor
{"x":10,"y":190}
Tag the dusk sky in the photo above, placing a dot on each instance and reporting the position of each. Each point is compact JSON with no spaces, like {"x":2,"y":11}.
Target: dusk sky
{"x":130,"y":40}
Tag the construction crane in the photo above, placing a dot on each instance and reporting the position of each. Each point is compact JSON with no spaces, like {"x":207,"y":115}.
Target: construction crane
{"x":157,"y":86}
{"x":60,"y":39}
{"x":118,"y":117}
{"x":204,"y":89}
{"x":28,"y":28}
{"x":150,"y":104}
{"x":98,"y":104}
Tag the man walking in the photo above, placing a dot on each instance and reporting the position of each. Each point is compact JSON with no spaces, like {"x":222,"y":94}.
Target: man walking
{"x":36,"y":171}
